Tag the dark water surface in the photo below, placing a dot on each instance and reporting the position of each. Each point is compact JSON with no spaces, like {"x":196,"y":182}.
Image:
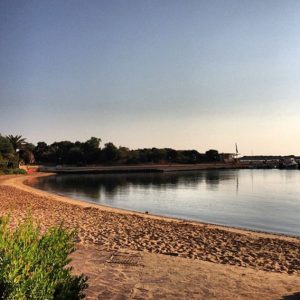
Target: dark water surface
{"x":267,"y":200}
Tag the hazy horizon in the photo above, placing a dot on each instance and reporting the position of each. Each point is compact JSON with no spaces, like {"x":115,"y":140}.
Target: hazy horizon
{"x":179,"y":74}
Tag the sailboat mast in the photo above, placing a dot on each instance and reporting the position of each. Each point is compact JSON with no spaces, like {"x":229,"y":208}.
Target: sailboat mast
{"x":236,"y":150}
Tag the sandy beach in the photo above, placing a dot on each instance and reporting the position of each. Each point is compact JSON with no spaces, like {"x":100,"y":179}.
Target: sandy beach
{"x":130,"y":255}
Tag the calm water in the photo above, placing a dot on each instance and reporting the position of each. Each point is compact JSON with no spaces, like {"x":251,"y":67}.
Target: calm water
{"x":267,"y":200}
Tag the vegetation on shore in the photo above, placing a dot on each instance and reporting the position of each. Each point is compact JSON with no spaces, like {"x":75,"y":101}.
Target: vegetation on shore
{"x":34,"y":266}
{"x":15,"y":148}
{"x":12,"y":171}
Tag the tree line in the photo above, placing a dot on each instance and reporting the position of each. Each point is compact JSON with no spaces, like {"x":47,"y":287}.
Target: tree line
{"x":15,"y":148}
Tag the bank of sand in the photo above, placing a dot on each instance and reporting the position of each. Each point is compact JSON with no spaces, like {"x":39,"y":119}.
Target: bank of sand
{"x":130,"y":255}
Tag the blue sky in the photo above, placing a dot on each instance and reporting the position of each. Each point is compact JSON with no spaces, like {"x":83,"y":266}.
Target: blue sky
{"x":181,"y":74}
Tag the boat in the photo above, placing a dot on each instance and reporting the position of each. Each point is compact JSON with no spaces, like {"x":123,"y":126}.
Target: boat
{"x":288,"y":163}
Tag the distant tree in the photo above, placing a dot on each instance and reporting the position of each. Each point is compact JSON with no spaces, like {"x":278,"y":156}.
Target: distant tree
{"x":23,"y":151}
{"x":189,"y":157}
{"x":158,"y":155}
{"x":49,"y":156}
{"x":133,"y":157}
{"x":89,"y":152}
{"x":123,"y":153}
{"x":91,"y":149}
{"x":110,"y":152}
{"x":26,"y":153}
{"x":75,"y":155}
{"x":40,"y":150}
{"x":26,"y":156}
{"x":93,"y":143}
{"x":143,"y":155}
{"x":17,"y":141}
{"x":6,"y":148}
{"x":171,"y":155}
{"x":61,"y":151}
{"x":212,"y":155}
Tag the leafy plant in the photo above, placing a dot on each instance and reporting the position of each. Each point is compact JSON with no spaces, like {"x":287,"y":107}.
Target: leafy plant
{"x":17,"y":141}
{"x":6,"y":148}
{"x":8,"y":171}
{"x":34,"y":266}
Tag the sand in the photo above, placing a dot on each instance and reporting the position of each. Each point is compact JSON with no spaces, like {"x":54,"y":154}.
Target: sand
{"x":170,"y":259}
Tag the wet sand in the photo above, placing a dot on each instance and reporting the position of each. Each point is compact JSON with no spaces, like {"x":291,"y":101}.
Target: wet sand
{"x":186,"y":260}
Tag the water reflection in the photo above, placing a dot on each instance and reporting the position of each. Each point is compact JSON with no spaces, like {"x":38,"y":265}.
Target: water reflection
{"x":97,"y":186}
{"x":265,"y":200}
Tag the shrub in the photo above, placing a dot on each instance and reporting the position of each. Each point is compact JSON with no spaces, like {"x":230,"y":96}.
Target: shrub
{"x":13,"y":171}
{"x":19,"y":171}
{"x":34,"y":266}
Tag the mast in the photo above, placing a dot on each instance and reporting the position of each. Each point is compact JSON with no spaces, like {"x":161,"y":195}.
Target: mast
{"x":236,"y":150}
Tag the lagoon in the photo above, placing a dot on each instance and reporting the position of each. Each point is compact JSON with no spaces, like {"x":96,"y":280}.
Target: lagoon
{"x":264,"y":200}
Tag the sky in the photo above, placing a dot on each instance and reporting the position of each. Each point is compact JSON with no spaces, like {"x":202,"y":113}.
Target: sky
{"x":182,"y":74}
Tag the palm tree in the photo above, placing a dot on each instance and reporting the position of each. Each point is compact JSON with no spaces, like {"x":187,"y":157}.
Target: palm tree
{"x":17,"y":141}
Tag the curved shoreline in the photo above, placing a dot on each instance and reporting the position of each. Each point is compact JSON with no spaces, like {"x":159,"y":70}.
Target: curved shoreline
{"x":27,"y":187}
{"x":116,"y":229}
{"x":19,"y":182}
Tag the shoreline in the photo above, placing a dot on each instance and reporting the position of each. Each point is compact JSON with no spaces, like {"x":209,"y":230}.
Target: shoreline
{"x":172,"y":259}
{"x":116,"y":229}
{"x":27,"y":187}
{"x":143,"y":168}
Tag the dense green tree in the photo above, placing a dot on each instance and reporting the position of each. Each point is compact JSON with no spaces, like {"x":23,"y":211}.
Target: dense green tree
{"x":212,"y":155}
{"x":171,"y":155}
{"x":61,"y":151}
{"x":17,"y":141}
{"x":109,"y":153}
{"x":76,"y":155}
{"x":91,"y":149}
{"x":89,"y":152}
{"x":40,"y":150}
{"x":123,"y":154}
{"x":26,"y":153}
{"x":23,"y":150}
{"x":133,"y":157}
{"x":6,"y":148}
{"x":93,"y":143}
{"x":159,"y":155}
{"x":26,"y":156}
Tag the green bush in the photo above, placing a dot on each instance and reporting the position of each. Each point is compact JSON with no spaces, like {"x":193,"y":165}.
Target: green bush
{"x":34,"y":266}
{"x":12,"y":171}
{"x":19,"y":171}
